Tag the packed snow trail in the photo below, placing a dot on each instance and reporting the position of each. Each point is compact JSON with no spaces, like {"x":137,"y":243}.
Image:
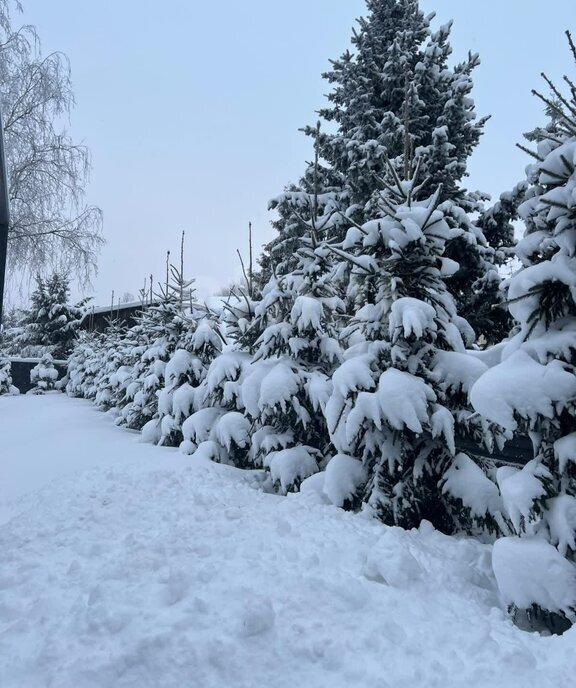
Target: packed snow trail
{"x":125,"y":565}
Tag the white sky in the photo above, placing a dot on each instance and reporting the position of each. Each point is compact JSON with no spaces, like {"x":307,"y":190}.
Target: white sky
{"x":192,"y":109}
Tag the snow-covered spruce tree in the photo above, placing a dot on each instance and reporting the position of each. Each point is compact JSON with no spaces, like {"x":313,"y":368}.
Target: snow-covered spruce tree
{"x":294,"y":343}
{"x":396,"y":90}
{"x":218,"y":429}
{"x":113,"y":365}
{"x":400,"y":396}
{"x":83,"y":366}
{"x":200,"y":343}
{"x":394,"y":48}
{"x":320,"y":194}
{"x":533,"y":389}
{"x":44,"y":375}
{"x":51,"y":321}
{"x":492,"y":317}
{"x":6,"y":386}
{"x":162,"y":326}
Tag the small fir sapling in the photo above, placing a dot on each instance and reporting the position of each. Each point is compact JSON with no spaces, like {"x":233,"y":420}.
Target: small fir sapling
{"x":6,"y":386}
{"x":44,"y":376}
{"x":201,"y":343}
{"x":218,"y":428}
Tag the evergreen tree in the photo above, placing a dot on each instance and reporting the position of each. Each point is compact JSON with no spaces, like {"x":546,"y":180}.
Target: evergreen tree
{"x":533,"y":390}
{"x":294,"y":342}
{"x":51,"y":322}
{"x":113,"y":369}
{"x":396,"y":91}
{"x":492,"y":317}
{"x":6,"y":386}
{"x":401,"y":394}
{"x":162,"y":327}
{"x":218,"y":429}
{"x":44,"y":376}
{"x":394,"y":96}
{"x":319,"y":195}
{"x":200,"y":344}
{"x":84,"y":365}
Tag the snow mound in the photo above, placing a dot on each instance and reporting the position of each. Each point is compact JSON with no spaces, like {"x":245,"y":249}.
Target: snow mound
{"x":126,"y":565}
{"x":531,"y":571}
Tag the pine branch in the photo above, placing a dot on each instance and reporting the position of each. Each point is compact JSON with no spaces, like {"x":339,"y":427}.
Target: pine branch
{"x":571,"y":44}
{"x":558,"y":94}
{"x":532,"y":154}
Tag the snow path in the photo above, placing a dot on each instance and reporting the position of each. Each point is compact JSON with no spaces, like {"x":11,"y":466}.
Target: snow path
{"x":125,"y":565}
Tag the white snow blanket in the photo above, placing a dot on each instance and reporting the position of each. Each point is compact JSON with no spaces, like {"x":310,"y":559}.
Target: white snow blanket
{"x":126,"y":565}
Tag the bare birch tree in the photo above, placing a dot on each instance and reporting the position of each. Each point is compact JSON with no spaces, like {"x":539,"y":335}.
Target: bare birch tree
{"x":51,"y":225}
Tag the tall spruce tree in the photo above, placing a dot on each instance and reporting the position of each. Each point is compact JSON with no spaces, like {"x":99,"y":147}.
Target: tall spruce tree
{"x":533,"y":389}
{"x":394,"y":95}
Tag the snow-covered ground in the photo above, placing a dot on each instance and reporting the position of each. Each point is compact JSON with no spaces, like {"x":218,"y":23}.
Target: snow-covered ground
{"x":123,"y":564}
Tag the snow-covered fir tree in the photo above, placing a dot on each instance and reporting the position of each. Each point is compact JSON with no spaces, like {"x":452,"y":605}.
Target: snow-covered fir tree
{"x":400,"y":396}
{"x":295,"y":351}
{"x":320,"y":195}
{"x":114,"y":369}
{"x":492,"y":317}
{"x":201,"y":342}
{"x":218,"y":429}
{"x":395,"y":95}
{"x":6,"y":386}
{"x":396,"y":90}
{"x":161,"y":328}
{"x":84,"y":365}
{"x":533,"y":389}
{"x":44,"y":375}
{"x":51,"y":322}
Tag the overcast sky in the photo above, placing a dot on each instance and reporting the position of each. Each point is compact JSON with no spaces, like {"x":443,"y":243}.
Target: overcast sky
{"x":191,"y":110}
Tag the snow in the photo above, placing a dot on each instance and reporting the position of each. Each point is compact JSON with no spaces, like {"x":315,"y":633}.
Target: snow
{"x":413,"y":316}
{"x":344,"y":475}
{"x":560,"y":269}
{"x":561,"y":521}
{"x":233,"y":427}
{"x":520,"y":385}
{"x":131,"y":566}
{"x":565,"y":450}
{"x":292,"y":465}
{"x":531,"y":571}
{"x":458,"y":371}
{"x":404,"y":399}
{"x":307,"y":313}
{"x":465,"y":480}
{"x":519,"y":490}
